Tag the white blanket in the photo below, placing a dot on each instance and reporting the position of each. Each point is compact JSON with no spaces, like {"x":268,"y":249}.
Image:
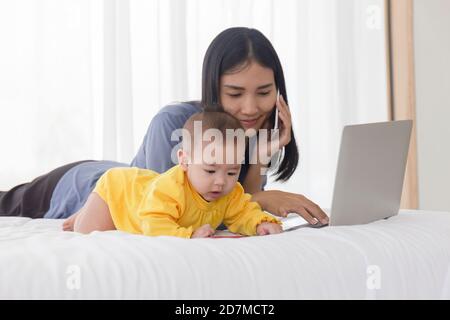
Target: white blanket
{"x":405,"y":257}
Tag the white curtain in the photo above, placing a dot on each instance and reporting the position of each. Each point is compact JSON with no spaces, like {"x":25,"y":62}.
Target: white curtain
{"x":81,"y":79}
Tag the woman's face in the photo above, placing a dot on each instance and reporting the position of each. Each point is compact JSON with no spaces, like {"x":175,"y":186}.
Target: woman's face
{"x":249,"y":94}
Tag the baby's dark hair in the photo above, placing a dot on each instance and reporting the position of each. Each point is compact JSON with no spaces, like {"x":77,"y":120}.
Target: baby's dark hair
{"x":213,"y":120}
{"x":226,"y":124}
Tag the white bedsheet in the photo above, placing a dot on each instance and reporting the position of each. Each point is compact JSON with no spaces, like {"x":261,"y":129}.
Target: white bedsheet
{"x":405,"y":257}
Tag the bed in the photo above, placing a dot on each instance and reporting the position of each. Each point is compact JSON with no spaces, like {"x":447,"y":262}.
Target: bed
{"x":404,"y":257}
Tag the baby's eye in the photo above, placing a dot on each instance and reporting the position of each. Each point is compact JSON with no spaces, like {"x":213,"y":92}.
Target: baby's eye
{"x":232,"y":173}
{"x":210,"y":171}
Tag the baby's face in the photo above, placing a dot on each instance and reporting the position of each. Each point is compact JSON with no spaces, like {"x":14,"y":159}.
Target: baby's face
{"x":215,"y":179}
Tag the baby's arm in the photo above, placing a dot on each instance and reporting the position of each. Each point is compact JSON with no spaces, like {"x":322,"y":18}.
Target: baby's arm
{"x":246,"y":217}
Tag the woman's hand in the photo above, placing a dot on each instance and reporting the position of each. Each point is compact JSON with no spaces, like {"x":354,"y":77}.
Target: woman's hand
{"x":279,"y":139}
{"x":285,"y":123}
{"x":281,"y":203}
{"x":205,"y":231}
{"x":265,"y":228}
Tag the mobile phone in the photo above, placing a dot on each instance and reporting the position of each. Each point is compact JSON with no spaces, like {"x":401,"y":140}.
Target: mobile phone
{"x":276,"y":111}
{"x":277,"y":156}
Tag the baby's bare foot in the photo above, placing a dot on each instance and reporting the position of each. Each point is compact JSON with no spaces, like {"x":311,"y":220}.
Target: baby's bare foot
{"x":69,"y":223}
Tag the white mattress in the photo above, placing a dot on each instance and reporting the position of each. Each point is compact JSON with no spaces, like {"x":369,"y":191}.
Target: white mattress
{"x":405,"y":257}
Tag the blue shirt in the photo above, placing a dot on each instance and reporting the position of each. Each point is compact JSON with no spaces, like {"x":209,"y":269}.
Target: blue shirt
{"x":155,"y":153}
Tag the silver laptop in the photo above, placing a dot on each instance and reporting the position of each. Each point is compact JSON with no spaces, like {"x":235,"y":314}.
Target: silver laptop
{"x":369,"y":175}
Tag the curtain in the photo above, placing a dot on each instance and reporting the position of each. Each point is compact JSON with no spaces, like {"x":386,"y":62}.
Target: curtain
{"x":81,"y":79}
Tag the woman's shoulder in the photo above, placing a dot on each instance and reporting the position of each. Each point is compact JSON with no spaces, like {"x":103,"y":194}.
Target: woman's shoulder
{"x":174,"y":116}
{"x":185,"y":109}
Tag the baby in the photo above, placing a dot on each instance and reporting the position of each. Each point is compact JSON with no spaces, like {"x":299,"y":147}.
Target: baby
{"x":190,"y":200}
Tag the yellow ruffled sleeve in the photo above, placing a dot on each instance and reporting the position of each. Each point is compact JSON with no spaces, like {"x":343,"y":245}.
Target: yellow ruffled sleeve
{"x":243,"y":215}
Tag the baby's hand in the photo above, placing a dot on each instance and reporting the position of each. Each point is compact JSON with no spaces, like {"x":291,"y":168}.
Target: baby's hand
{"x":204,"y":231}
{"x":268,"y":228}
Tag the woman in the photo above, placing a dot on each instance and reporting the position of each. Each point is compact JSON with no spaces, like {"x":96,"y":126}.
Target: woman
{"x":241,"y":72}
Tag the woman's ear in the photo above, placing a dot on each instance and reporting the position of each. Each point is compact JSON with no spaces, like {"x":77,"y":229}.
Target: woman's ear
{"x":182,"y":159}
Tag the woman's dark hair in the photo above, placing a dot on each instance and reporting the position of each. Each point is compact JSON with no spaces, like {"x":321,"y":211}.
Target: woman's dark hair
{"x":235,"y":47}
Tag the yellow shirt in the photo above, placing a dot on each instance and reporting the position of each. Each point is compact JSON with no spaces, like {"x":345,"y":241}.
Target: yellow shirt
{"x":145,"y":202}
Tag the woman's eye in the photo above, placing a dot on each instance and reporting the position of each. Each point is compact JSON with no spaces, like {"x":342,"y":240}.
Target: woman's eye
{"x":235,"y":95}
{"x":264,"y":93}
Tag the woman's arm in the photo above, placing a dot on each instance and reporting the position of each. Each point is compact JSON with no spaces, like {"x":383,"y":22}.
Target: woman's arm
{"x":274,"y":201}
{"x":281,"y":203}
{"x":253,"y":180}
{"x":259,"y":154}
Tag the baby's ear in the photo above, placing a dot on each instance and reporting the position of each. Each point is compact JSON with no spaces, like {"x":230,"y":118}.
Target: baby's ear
{"x":182,"y":159}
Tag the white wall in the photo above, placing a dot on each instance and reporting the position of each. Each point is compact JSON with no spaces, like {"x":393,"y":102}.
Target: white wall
{"x":432,"y":68}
